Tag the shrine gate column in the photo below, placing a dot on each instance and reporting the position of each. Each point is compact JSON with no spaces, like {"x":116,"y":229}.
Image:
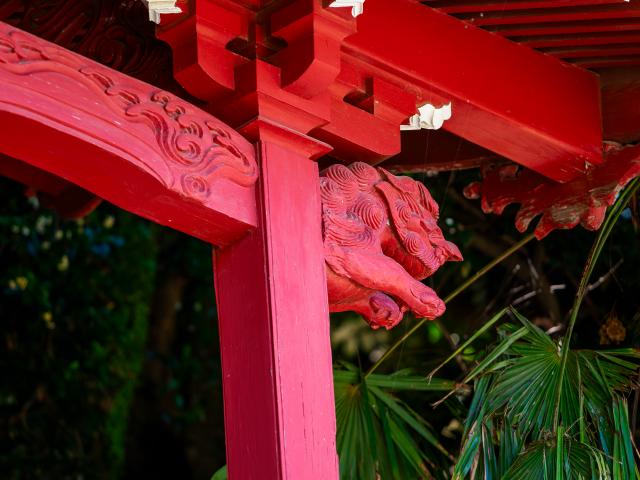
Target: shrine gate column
{"x":274,"y":330}
{"x":272,"y":71}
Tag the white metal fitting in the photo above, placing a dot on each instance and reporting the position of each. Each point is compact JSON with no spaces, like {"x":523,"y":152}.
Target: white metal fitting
{"x":428,"y":117}
{"x":357,"y":6}
{"x":158,"y":7}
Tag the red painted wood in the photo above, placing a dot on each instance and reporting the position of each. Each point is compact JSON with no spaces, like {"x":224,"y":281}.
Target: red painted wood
{"x":473,"y":6}
{"x":583,"y":27}
{"x":116,"y":34}
{"x":577,"y":40}
{"x":70,"y":201}
{"x":582,"y":201}
{"x":355,"y":97}
{"x":582,"y":52}
{"x":624,"y":10}
{"x":124,"y":140}
{"x":28,"y":175}
{"x":381,"y":238}
{"x":274,"y":331}
{"x":437,"y":150}
{"x":514,"y":96}
{"x":620,"y":100}
{"x":557,"y":23}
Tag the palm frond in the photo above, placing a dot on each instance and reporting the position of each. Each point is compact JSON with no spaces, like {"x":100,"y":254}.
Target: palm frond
{"x":379,"y":434}
{"x":516,"y":395}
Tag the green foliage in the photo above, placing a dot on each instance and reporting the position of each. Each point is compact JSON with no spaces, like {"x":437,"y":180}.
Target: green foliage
{"x":220,"y":474}
{"x":541,"y":409}
{"x":74,"y":302}
{"x":511,"y":429}
{"x":379,"y":434}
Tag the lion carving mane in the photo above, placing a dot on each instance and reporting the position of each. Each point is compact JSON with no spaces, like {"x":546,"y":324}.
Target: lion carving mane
{"x":380,"y":239}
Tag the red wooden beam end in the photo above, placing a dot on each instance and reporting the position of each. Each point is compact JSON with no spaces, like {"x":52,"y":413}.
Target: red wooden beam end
{"x":126,"y":141}
{"x":521,"y":104}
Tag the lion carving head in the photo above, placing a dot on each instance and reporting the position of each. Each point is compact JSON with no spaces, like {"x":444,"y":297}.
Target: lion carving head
{"x":381,"y":238}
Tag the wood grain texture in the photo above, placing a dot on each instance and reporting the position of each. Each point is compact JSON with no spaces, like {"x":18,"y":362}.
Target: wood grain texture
{"x":274,"y":332}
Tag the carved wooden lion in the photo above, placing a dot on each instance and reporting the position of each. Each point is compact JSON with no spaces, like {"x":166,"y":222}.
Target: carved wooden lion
{"x":380,"y":239}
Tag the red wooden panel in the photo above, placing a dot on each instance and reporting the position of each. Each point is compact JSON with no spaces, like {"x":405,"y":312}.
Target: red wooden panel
{"x":435,"y":150}
{"x":474,"y":6}
{"x":274,"y":332}
{"x":556,"y":15}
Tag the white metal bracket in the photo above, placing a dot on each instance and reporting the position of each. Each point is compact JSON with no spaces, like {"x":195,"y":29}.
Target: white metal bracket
{"x":428,"y":117}
{"x":158,"y":7}
{"x":357,"y":6}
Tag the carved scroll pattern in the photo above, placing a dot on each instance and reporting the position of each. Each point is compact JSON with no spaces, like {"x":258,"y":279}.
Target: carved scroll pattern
{"x":581,"y":201}
{"x":196,"y":147}
{"x":114,"y":33}
{"x":381,"y":237}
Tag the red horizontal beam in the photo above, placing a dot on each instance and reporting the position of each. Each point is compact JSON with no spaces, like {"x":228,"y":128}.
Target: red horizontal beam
{"x":507,"y":98}
{"x":557,"y":41}
{"x":600,"y":63}
{"x":594,"y":51}
{"x":68,"y":199}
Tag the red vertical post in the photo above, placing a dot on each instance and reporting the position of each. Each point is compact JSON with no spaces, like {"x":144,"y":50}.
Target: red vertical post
{"x":274,"y":331}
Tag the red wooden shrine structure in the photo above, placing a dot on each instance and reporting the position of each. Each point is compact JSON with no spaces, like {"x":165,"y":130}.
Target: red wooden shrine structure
{"x":271,"y":128}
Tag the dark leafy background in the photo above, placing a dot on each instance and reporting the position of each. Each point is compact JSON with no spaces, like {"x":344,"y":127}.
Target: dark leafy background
{"x":110,"y":364}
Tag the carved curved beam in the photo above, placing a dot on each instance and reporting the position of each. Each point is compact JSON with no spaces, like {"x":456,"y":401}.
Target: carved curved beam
{"x":128,"y":142}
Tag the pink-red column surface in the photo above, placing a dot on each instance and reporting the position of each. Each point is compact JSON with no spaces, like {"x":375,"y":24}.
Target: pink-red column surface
{"x":274,"y":332}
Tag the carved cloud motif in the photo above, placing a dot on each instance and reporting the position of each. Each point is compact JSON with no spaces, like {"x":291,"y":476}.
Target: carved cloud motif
{"x":196,"y":148}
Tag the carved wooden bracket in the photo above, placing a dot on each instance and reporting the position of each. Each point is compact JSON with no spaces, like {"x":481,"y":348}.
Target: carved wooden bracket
{"x":102,"y":129}
{"x":581,"y":201}
{"x":284,"y":63}
{"x":380,"y":239}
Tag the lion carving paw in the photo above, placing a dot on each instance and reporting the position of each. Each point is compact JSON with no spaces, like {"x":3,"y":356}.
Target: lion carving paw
{"x":380,"y":239}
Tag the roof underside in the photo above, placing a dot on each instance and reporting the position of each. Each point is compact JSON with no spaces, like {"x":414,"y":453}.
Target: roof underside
{"x":594,"y":34}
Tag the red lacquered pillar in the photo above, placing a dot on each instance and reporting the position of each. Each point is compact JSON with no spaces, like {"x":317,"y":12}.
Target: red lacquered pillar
{"x":274,"y":330}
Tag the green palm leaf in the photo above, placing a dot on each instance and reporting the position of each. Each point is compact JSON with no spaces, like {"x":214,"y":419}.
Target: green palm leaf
{"x":379,"y":435}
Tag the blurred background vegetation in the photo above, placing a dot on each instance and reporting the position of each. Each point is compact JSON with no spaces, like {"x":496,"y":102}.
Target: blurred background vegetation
{"x":110,"y":362}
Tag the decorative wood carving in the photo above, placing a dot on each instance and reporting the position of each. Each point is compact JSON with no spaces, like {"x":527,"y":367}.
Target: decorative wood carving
{"x":380,"y":239}
{"x":157,"y":144}
{"x":352,"y":84}
{"x":117,"y":34}
{"x":581,"y":201}
{"x":195,"y":147}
